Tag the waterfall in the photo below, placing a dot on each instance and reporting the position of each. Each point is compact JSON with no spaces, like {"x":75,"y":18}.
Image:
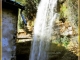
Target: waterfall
{"x":43,"y":29}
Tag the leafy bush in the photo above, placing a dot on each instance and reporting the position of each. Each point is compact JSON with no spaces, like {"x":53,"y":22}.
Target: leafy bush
{"x":65,"y":41}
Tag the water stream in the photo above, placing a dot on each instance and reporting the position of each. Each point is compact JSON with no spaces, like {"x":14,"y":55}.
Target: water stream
{"x":43,"y":29}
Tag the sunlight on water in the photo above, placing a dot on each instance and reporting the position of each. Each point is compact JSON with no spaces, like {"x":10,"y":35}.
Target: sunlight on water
{"x":43,"y":29}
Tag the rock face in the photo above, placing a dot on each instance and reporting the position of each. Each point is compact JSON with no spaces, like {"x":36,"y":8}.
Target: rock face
{"x":66,"y":32}
{"x":64,"y":44}
{"x":67,"y":25}
{"x":69,"y":11}
{"x":65,"y":28}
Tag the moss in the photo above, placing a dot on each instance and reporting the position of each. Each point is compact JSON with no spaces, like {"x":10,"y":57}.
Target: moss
{"x":63,"y":10}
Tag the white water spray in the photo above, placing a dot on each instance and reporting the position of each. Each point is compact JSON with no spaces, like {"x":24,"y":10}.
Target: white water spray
{"x":43,"y":29}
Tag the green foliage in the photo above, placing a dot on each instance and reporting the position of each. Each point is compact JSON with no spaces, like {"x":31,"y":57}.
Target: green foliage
{"x":65,"y":41}
{"x":63,"y":10}
{"x":31,"y":8}
{"x":21,"y":24}
{"x":21,"y":1}
{"x":20,"y":21}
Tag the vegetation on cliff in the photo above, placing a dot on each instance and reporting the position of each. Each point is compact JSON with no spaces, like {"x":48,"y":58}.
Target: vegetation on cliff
{"x":66,"y":26}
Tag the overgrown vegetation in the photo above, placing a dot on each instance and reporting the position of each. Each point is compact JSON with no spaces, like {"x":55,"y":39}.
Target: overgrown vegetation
{"x":30,"y":10}
{"x":64,"y":41}
{"x":68,"y":12}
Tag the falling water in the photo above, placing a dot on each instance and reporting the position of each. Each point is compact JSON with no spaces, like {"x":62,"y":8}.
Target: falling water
{"x":43,"y":29}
